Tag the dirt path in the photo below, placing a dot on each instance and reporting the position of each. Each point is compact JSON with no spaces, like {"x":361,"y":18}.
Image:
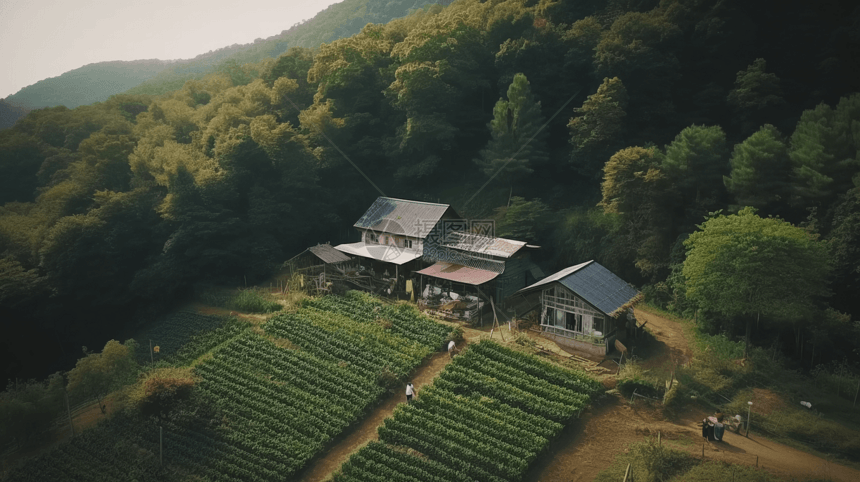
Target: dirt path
{"x":331,"y":460}
{"x":589,"y":445}
{"x":671,"y":347}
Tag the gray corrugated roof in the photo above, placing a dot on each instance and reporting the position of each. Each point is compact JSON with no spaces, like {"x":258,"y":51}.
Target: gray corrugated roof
{"x":477,"y":243}
{"x":328,"y":254}
{"x":403,"y":217}
{"x":593,"y":283}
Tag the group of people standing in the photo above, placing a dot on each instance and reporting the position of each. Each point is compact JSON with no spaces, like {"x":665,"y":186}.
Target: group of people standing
{"x":714,"y":429}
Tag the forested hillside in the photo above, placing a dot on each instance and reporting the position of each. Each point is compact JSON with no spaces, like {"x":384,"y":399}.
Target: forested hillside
{"x":85,"y":85}
{"x":657,"y":114}
{"x":336,"y":21}
{"x":97,"y":82}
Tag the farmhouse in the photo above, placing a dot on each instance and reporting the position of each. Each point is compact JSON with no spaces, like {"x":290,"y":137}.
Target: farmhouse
{"x":469,"y":269}
{"x":393,"y":236}
{"x":584,"y":307}
{"x":426,"y":250}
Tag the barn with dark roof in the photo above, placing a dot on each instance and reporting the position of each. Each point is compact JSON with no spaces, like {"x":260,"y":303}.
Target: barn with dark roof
{"x":584,"y":306}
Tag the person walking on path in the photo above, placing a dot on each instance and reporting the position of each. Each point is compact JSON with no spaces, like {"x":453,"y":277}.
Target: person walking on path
{"x":410,"y":392}
{"x":451,"y":346}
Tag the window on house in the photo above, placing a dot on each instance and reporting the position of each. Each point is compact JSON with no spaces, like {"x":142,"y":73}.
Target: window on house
{"x":598,"y":324}
{"x":559,"y":318}
{"x":578,"y":323}
{"x":408,"y":243}
{"x":569,"y":321}
{"x":373,"y":237}
{"x":550,"y":316}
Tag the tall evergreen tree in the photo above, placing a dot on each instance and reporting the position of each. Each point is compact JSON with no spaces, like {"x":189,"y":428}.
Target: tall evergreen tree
{"x":824,"y":150}
{"x":757,"y":96}
{"x":696,"y":160}
{"x":595,"y":132}
{"x":518,"y":142}
{"x":760,"y":169}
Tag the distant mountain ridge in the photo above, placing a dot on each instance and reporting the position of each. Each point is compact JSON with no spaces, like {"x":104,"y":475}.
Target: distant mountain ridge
{"x":338,"y":20}
{"x":88,"y":84}
{"x":98,"y":81}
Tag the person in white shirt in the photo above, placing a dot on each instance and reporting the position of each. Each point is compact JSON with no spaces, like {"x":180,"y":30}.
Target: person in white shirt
{"x":410,"y":392}
{"x":451,"y":346}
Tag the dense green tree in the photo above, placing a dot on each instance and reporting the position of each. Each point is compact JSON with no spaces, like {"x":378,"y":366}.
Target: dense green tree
{"x":96,"y":374}
{"x":22,"y":156}
{"x":596,"y":131}
{"x":761,"y":170}
{"x":518,"y":141}
{"x":757,"y":96}
{"x":522,"y":220}
{"x":697,"y":160}
{"x":28,"y":410}
{"x":844,"y":243}
{"x":745,"y":265}
{"x":635,"y":186}
{"x":640,"y":48}
{"x":824,"y":151}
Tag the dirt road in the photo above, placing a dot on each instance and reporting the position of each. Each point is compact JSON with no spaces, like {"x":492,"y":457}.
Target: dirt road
{"x":320,"y":468}
{"x":590,"y":444}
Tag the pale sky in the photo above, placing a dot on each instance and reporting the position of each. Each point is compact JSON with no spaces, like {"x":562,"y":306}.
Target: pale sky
{"x":45,"y":38}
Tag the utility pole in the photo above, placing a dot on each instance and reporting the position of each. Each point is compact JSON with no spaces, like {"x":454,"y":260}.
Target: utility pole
{"x":749,"y":412}
{"x":69,"y":411}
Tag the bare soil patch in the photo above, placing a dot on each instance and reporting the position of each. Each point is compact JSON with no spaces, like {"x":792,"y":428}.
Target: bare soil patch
{"x":589,"y":444}
{"x":670,"y":346}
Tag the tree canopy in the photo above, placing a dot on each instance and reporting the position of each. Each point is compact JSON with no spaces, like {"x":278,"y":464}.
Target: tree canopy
{"x":743,"y":264}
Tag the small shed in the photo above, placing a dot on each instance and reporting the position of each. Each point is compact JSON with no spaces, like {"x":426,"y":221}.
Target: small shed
{"x":583,"y":307}
{"x":317,"y":257}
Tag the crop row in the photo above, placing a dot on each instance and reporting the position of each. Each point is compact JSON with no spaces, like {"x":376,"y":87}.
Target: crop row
{"x":173,"y":331}
{"x":368,"y":354}
{"x":574,"y":380}
{"x":404,"y":320}
{"x":200,"y":344}
{"x":481,"y":419}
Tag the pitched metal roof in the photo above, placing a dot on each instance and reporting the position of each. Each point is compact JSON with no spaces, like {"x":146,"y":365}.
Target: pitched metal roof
{"x":593,"y":283}
{"x":328,"y":254}
{"x":436,"y":253}
{"x":379,"y":252}
{"x":476,"y":243}
{"x":401,"y":216}
{"x":459,"y":273}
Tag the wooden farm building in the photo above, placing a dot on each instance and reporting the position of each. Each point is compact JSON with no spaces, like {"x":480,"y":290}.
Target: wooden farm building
{"x":425,"y":250}
{"x":586,"y":307}
{"x":320,"y":256}
{"x":469,"y":269}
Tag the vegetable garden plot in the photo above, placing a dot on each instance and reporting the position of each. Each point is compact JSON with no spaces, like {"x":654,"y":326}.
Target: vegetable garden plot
{"x":114,"y":450}
{"x":283,"y":406}
{"x":404,"y":320}
{"x":172,"y":332}
{"x":486,"y":418}
{"x":367,"y":347}
{"x":270,"y":409}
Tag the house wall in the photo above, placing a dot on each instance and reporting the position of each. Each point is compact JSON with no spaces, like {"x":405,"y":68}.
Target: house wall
{"x":564,"y":315}
{"x":513,"y":278}
{"x":392,"y":239}
{"x":596,"y":350}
